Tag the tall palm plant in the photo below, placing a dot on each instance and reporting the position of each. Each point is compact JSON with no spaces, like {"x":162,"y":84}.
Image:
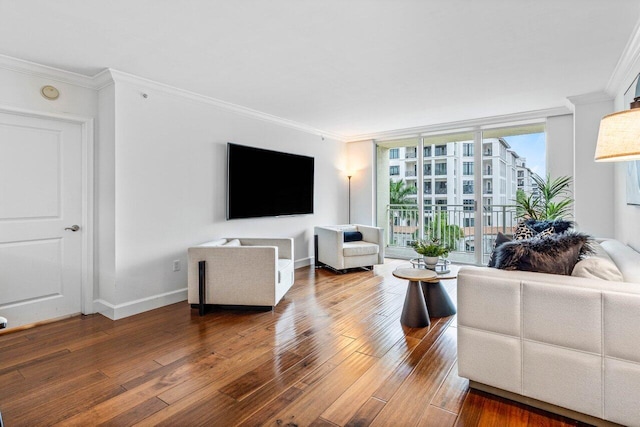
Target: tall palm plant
{"x":399,"y":192}
{"x":551,"y":201}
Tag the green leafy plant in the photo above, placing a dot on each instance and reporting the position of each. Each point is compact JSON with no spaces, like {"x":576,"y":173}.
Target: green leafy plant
{"x":551,"y":199}
{"x":430,"y":247}
{"x":399,"y":192}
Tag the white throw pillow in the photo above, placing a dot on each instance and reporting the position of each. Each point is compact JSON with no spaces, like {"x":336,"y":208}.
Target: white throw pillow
{"x":598,"y":266}
{"x":234,"y":242}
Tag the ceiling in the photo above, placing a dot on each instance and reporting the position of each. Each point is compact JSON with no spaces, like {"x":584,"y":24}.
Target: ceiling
{"x":347,"y":67}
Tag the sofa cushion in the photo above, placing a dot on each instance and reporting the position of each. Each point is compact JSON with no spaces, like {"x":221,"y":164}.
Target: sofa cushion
{"x":352,"y":236}
{"x":233,"y":243}
{"x":359,"y":249}
{"x":556,"y":254}
{"x":598,"y":265}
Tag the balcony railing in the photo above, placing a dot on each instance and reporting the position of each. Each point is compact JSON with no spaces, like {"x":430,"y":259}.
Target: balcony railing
{"x":452,"y":224}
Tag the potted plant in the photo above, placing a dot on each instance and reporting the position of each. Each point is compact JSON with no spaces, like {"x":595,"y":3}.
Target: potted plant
{"x":551,"y":199}
{"x":431,"y":250}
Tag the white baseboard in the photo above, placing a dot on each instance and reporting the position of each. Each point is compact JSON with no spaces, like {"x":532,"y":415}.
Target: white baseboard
{"x":120,"y":311}
{"x":304,"y":262}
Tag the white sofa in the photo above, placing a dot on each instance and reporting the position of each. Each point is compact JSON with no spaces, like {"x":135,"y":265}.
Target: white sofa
{"x":566,"y":344}
{"x":242,"y":271}
{"x":334,"y":252}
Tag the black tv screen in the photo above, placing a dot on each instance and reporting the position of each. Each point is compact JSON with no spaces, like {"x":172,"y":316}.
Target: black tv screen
{"x":267,"y":183}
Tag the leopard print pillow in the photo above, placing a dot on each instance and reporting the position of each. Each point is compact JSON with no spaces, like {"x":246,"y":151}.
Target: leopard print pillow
{"x":523,"y":231}
{"x":546,"y":232}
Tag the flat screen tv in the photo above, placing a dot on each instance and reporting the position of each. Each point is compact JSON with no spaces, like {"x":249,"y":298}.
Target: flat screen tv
{"x":267,"y":183}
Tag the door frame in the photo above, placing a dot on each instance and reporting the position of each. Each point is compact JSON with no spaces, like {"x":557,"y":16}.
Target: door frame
{"x":88,"y":194}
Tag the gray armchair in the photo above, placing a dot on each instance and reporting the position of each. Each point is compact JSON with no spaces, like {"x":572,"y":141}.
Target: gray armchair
{"x":364,"y":246}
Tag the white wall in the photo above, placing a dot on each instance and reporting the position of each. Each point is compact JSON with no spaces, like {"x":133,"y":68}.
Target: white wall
{"x":559,"y":131}
{"x":593,"y":182}
{"x":105,"y":249}
{"x":362,"y":162}
{"x":170,"y":168}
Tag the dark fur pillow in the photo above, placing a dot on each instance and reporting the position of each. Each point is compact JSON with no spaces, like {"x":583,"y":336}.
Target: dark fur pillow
{"x":556,"y":254}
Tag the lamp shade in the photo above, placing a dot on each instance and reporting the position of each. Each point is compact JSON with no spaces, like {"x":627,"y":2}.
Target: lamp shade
{"x":619,"y":137}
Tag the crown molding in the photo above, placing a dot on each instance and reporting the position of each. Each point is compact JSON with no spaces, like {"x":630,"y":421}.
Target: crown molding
{"x":589,"y":98}
{"x":126,"y":78}
{"x":628,"y":65}
{"x":110,"y":76}
{"x":103,"y":79}
{"x":45,"y":72}
{"x":465,"y":125}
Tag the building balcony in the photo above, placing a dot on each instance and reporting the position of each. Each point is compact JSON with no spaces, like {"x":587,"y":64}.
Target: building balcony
{"x":459,"y":231}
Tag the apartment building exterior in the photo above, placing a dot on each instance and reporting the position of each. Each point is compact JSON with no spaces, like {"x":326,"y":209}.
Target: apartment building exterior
{"x":449,"y":184}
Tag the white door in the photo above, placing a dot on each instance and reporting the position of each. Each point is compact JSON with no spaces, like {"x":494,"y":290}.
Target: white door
{"x":40,"y":198}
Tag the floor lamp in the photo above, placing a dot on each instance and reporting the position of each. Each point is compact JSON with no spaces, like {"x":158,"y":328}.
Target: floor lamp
{"x":349,"y":176}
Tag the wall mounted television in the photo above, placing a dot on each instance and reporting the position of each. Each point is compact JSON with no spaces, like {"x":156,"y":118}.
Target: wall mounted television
{"x":262,"y":183}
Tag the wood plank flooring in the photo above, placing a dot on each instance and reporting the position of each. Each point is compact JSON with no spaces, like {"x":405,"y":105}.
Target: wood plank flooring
{"x":332,"y":353}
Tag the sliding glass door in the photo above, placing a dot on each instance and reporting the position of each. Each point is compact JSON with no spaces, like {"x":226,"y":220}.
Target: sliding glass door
{"x":458,"y":187}
{"x":510,"y":157}
{"x":398,"y":191}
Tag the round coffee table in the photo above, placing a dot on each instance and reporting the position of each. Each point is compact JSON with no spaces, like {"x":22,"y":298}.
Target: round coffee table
{"x":438,"y":302}
{"x":414,"y":312}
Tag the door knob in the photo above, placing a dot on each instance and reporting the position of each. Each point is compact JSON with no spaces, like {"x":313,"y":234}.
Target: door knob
{"x":73,"y":228}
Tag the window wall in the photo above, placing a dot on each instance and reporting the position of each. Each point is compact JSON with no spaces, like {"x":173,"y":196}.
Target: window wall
{"x":438,"y":192}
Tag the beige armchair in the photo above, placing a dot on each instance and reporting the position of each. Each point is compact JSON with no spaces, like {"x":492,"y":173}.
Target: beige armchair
{"x":332,"y":251}
{"x":240,"y":272}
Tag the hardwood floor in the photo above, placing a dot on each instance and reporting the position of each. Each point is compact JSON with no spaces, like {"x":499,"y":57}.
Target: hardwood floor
{"x":333,"y":352}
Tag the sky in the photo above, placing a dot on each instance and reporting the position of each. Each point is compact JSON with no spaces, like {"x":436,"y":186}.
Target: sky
{"x":533,"y":147}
